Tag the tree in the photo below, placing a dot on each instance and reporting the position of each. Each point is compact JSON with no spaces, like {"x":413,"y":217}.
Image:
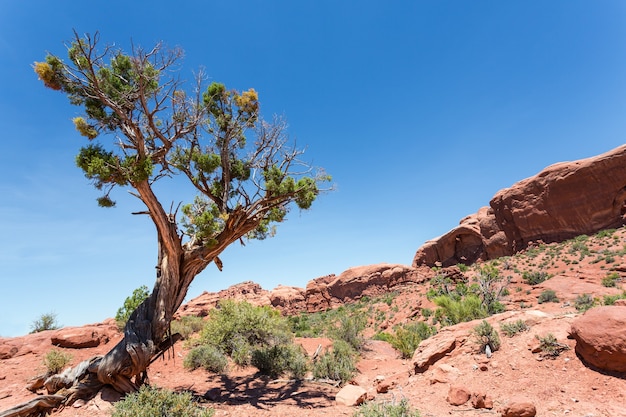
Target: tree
{"x":142,"y":126}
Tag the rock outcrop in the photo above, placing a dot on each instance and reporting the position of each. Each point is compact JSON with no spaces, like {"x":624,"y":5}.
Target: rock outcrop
{"x":600,"y":336}
{"x":320,"y":294}
{"x":562,"y":201}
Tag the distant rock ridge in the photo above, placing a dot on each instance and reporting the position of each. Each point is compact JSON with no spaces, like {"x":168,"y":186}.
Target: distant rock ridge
{"x":320,"y":294}
{"x":562,"y":201}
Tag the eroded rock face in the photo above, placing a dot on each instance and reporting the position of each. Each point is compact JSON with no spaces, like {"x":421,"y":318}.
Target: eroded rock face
{"x":600,"y":336}
{"x":562,"y":201}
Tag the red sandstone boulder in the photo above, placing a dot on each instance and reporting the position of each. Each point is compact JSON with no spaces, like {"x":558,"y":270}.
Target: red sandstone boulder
{"x":600,"y":336}
{"x":84,"y":337}
{"x":351,"y":395}
{"x":545,"y":207}
{"x":457,"y":395}
{"x":246,"y":291}
{"x":519,"y":409}
{"x":289,"y":300}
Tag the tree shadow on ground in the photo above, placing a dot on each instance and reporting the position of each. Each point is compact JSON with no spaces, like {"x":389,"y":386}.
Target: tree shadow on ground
{"x":263,"y":392}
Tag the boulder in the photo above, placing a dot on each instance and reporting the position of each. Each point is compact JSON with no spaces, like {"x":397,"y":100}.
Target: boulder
{"x":432,"y":349}
{"x":289,"y":300}
{"x":481,"y":400}
{"x":457,"y":395}
{"x":600,"y":336}
{"x":546,"y":207}
{"x":82,"y":337}
{"x":519,"y":409}
{"x":351,"y":395}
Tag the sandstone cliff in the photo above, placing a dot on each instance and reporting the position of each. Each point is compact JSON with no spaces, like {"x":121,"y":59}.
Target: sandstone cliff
{"x":562,"y":201}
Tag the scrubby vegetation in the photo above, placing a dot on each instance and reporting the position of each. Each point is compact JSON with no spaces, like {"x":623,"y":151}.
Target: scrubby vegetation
{"x":486,"y":336}
{"x":549,"y":345}
{"x":151,"y":401}
{"x":337,"y":363}
{"x":47,"y":321}
{"x":56,"y":360}
{"x":547,"y":296}
{"x":130,"y":304}
{"x":386,"y":409}
{"x":512,"y":328}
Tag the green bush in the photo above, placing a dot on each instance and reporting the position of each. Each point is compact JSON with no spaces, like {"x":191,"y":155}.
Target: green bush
{"x":611,"y":280}
{"x":46,"y":321}
{"x":130,"y":304}
{"x":350,"y":329}
{"x":547,"y":296}
{"x":512,"y":328}
{"x":187,"y":325}
{"x":337,"y":363}
{"x":485,"y":335}
{"x":584,"y":302}
{"x":278,"y":360}
{"x":156,"y":402}
{"x":56,"y":360}
{"x":535,"y":277}
{"x":237,"y":328}
{"x":549,"y":346}
{"x":609,"y":300}
{"x":407,"y":338}
{"x":207,"y":357}
{"x":451,"y":312}
{"x":402,"y":409}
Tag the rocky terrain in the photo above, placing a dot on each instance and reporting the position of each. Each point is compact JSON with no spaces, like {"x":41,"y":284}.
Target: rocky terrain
{"x":538,"y":226}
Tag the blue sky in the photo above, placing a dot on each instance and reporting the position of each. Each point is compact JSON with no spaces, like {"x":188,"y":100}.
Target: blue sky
{"x":421,"y":111}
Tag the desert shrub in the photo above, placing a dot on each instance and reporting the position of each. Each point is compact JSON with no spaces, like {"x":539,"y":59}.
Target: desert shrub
{"x":237,"y":328}
{"x":427,"y":312}
{"x":535,"y":277}
{"x":207,"y":357}
{"x":46,"y":321}
{"x":303,"y":325}
{"x":152,"y":402}
{"x":350,"y":329}
{"x":385,"y":337}
{"x":547,"y":296}
{"x":187,"y":325}
{"x":451,"y":312}
{"x":512,"y":328}
{"x":337,"y":363}
{"x":485,"y":335}
{"x":611,"y":279}
{"x":584,"y":302}
{"x":549,"y":346}
{"x":281,"y":359}
{"x":407,"y":338}
{"x":609,"y":300}
{"x":56,"y":360}
{"x":386,"y":409}
{"x":130,"y":304}
{"x":489,"y":288}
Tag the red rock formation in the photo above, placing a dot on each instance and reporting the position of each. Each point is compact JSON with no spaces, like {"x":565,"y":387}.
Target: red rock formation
{"x":562,"y":201}
{"x":600,"y":336}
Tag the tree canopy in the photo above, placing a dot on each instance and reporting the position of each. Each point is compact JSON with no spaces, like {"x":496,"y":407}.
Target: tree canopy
{"x":142,"y":123}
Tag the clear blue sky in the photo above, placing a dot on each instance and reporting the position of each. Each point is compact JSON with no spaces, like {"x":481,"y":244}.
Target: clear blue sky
{"x":421,"y":111}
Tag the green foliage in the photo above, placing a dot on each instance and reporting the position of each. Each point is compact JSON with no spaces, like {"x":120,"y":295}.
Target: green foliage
{"x":56,"y":360}
{"x":130,"y":304}
{"x":490,"y":288}
{"x":584,"y":302}
{"x":187,"y":325}
{"x":208,"y":357}
{"x":549,"y":345}
{"x":611,"y":279}
{"x":150,"y":128}
{"x":451,"y":312}
{"x":237,"y":328}
{"x":609,"y":300}
{"x":485,"y":335}
{"x":337,"y":363}
{"x":385,"y":409}
{"x":278,"y":360}
{"x":535,"y":277}
{"x":47,"y":321}
{"x":350,"y":330}
{"x":156,"y":402}
{"x":512,"y":328}
{"x":407,"y":338}
{"x":547,"y":296}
